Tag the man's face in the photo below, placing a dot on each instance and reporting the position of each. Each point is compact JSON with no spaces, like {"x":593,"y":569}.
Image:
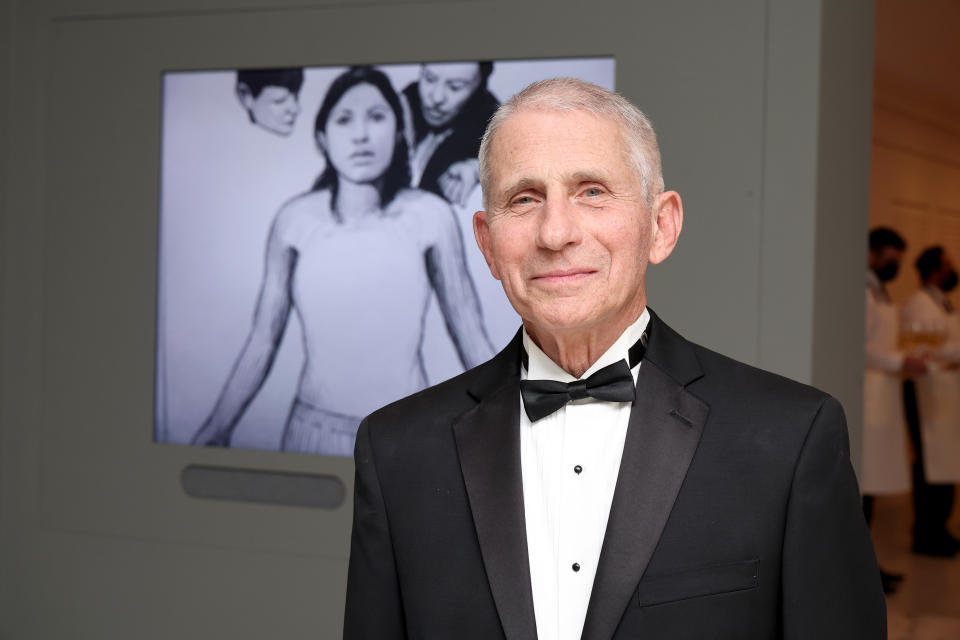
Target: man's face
{"x":885,"y":262}
{"x":444,"y":88}
{"x":275,"y":109}
{"x":568,"y":233}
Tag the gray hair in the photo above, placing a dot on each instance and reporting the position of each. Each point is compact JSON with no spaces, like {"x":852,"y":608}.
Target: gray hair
{"x":571,"y":94}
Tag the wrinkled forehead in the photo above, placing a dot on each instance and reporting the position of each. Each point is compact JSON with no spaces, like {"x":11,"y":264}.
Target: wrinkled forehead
{"x":564,"y":117}
{"x":464,"y":71}
{"x":565,"y":133}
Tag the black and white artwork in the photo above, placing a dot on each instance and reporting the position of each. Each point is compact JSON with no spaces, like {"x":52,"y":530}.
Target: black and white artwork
{"x":317,"y":258}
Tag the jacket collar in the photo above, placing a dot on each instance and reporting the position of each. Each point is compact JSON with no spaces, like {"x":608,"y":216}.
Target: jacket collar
{"x":488,"y":442}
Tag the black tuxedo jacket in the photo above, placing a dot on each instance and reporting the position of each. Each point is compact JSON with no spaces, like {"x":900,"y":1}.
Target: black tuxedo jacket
{"x":735,"y":515}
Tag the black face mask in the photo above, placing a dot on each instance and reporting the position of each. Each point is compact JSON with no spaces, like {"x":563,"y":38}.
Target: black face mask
{"x":949,"y":282}
{"x":887,"y":271}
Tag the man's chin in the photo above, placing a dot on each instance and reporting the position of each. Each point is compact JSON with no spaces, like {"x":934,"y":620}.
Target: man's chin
{"x":437,"y":122}
{"x":560,"y":321}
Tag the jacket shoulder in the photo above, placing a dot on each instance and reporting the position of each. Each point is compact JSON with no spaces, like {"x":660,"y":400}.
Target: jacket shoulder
{"x":767,"y":415}
{"x":742,"y":388}
{"x":440,"y":405}
{"x":443,"y":397}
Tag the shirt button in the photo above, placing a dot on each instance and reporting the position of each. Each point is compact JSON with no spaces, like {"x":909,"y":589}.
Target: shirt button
{"x":576,"y":566}
{"x":577,"y":469}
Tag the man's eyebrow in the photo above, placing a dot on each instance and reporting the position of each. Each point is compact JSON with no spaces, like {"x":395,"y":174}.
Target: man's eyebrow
{"x":520,"y":185}
{"x":588,"y":176}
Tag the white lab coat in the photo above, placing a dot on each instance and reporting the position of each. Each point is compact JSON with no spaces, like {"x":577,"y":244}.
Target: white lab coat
{"x":886,"y":466}
{"x":938,"y":392}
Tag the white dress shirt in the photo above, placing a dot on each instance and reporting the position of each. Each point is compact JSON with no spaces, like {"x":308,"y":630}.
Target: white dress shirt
{"x":570,"y":461}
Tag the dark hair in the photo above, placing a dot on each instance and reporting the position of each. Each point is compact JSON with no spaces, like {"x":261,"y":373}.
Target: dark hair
{"x":929,"y":261}
{"x":883,"y":237}
{"x":486,"y":68}
{"x":397,"y":175}
{"x":256,"y":79}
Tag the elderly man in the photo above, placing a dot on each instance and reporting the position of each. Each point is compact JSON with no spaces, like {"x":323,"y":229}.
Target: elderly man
{"x":602,"y":477}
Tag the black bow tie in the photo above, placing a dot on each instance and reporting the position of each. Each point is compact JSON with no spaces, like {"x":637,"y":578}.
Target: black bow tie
{"x":613,"y":383}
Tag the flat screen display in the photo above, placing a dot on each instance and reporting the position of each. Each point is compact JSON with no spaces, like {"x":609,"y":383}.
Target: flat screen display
{"x":317,"y":257}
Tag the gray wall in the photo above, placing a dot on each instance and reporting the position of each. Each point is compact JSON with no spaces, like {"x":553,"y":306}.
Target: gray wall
{"x":763,"y":111}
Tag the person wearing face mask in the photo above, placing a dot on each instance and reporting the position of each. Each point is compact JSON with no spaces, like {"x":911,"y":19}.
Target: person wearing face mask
{"x":932,"y":403}
{"x":447,"y":111}
{"x":885,"y":455}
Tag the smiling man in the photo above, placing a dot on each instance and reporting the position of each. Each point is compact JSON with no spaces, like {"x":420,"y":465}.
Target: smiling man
{"x":602,"y":477}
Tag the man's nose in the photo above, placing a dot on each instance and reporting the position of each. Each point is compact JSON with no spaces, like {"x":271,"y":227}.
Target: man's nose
{"x":558,"y":224}
{"x":437,"y":95}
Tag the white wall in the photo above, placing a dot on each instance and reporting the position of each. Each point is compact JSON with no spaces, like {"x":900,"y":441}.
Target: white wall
{"x":760,"y":106}
{"x":915,"y":166}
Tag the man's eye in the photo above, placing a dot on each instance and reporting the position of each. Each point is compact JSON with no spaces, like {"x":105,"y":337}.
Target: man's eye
{"x":593,"y":192}
{"x":522,"y":203}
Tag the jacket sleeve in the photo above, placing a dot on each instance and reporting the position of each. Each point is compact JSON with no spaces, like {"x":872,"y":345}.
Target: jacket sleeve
{"x":374,"y":609}
{"x":831,"y":584}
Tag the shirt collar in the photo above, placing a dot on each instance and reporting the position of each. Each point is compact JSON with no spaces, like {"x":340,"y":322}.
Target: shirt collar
{"x":541,"y":367}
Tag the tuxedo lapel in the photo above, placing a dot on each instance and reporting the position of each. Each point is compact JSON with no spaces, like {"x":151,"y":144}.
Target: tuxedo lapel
{"x":488,"y":442}
{"x":665,"y":426}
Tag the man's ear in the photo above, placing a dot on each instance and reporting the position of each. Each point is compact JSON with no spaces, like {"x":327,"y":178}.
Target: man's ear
{"x":481,"y":230}
{"x":244,"y":95}
{"x":667,"y":223}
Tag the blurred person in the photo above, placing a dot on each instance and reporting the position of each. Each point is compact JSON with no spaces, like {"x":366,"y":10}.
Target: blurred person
{"x":271,"y":97}
{"x":932,"y":403}
{"x":886,"y":463}
{"x":448,"y":109}
{"x":358,"y":259}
